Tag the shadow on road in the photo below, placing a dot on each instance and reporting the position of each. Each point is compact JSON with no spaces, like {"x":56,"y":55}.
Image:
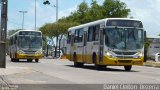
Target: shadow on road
{"x":24,"y":62}
{"x":89,"y":67}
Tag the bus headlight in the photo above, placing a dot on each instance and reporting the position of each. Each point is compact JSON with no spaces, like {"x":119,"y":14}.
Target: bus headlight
{"x":39,"y":52}
{"x":139,"y":55}
{"x":20,"y":52}
{"x":109,"y":55}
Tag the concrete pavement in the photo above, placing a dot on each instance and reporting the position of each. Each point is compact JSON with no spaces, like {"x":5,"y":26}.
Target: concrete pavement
{"x":50,"y":72}
{"x":152,"y":63}
{"x":5,"y":83}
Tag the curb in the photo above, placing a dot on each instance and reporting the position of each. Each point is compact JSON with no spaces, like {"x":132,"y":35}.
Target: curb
{"x":152,"y":64}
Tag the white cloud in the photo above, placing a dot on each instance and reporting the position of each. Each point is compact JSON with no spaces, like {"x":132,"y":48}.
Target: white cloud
{"x":148,"y":11}
{"x":67,"y":11}
{"x":45,"y":14}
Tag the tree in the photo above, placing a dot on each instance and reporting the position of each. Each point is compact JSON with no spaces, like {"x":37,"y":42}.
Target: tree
{"x":85,"y":14}
{"x":109,"y":9}
{"x":10,"y":32}
{"x":57,"y":30}
{"x":115,"y":8}
{"x":95,"y":12}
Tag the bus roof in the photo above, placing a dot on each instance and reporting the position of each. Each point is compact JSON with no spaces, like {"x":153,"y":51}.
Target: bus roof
{"x":98,"y":22}
{"x":22,"y":31}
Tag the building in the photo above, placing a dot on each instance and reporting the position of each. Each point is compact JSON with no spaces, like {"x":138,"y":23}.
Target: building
{"x":63,"y":44}
{"x":154,"y":46}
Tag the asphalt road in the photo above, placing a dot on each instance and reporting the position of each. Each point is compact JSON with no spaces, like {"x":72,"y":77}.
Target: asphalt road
{"x":56,"y":74}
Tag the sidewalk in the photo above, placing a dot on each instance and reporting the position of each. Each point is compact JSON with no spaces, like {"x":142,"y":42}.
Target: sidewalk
{"x":152,"y":63}
{"x":5,"y":83}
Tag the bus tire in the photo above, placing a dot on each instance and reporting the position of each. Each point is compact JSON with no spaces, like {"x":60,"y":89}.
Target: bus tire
{"x":29,"y":60}
{"x":12,"y":60}
{"x":128,"y":67}
{"x":37,"y":60}
{"x":17,"y":60}
{"x":96,"y":66}
{"x":77,"y":64}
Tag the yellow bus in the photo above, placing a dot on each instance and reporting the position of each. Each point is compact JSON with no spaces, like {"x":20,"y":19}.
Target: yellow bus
{"x":107,"y":42}
{"x":26,"y":44}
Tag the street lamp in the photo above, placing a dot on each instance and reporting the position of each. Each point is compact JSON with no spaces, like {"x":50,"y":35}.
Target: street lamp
{"x":46,"y":2}
{"x":23,"y":12}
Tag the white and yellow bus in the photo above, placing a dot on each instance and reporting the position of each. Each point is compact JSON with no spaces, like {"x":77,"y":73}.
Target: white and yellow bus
{"x":26,"y":44}
{"x":107,"y":42}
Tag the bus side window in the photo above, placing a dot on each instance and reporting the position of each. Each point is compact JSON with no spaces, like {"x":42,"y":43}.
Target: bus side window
{"x":11,"y":41}
{"x":69,"y":38}
{"x":14,"y":40}
{"x":80,"y":35}
{"x":90,"y":33}
{"x":96,"y":32}
{"x":76,"y":36}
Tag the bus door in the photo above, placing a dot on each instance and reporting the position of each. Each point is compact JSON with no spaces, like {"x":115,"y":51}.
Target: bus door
{"x":84,"y":46}
{"x":72,"y":47}
{"x":101,"y":45}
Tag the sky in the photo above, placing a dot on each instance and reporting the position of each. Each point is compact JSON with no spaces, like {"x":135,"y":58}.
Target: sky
{"x":145,"y":10}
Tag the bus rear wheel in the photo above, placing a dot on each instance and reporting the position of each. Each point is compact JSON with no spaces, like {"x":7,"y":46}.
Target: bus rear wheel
{"x":128,"y":67}
{"x":37,"y":60}
{"x":77,"y":64}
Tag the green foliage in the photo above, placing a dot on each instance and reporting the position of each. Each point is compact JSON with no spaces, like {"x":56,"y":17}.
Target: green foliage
{"x":10,"y":32}
{"x":55,"y":29}
{"x":85,"y":14}
{"x":109,"y":9}
{"x":146,"y":44}
{"x":115,"y":8}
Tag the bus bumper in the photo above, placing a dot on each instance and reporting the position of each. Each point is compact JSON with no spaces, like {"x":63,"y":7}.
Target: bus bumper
{"x":30,"y":56}
{"x":121,"y":61}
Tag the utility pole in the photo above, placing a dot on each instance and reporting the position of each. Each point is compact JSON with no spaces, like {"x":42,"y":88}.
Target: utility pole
{"x":23,"y":12}
{"x":35,"y":14}
{"x":48,"y":3}
{"x":3,"y":33}
{"x":56,"y":10}
{"x":57,"y":35}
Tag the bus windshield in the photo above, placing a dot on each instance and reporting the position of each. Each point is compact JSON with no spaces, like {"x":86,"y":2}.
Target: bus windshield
{"x":29,"y":42}
{"x":124,"y":38}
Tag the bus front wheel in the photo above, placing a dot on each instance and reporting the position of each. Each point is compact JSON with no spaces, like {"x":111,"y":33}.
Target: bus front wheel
{"x":128,"y":67}
{"x":29,"y":60}
{"x":12,"y":59}
{"x":17,"y":60}
{"x":37,"y":60}
{"x":96,"y":65}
